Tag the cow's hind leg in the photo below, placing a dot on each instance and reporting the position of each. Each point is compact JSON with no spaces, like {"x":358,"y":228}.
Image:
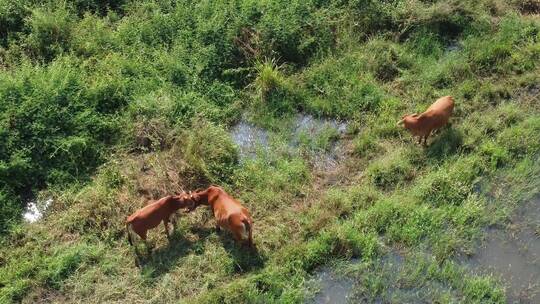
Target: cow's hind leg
{"x":146,"y":244}
{"x":138,"y":259}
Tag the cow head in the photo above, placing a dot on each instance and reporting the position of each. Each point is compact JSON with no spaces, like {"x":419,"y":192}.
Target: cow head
{"x":198,"y":198}
{"x":184,"y":200}
{"x":408,"y":120}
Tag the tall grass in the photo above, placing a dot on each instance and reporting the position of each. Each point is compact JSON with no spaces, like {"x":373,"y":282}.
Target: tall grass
{"x":107,"y":105}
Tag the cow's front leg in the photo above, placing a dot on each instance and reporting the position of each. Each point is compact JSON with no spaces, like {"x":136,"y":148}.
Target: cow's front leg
{"x":166,"y":224}
{"x":173,"y":219}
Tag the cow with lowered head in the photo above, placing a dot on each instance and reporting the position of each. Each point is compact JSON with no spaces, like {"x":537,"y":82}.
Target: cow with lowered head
{"x":229,"y":213}
{"x":435,"y":117}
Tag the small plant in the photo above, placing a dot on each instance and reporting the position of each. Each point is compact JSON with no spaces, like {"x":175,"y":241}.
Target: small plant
{"x":268,"y":79}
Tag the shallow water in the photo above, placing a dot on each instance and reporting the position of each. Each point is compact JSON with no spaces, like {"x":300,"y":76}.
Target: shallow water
{"x":333,"y":288}
{"x":514,"y":255}
{"x":453,"y":46}
{"x":308,"y":125}
{"x":248,"y":138}
{"x":314,"y":126}
{"x":34,"y":210}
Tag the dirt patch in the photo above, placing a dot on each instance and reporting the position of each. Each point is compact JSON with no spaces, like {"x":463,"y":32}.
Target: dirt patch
{"x":530,"y":6}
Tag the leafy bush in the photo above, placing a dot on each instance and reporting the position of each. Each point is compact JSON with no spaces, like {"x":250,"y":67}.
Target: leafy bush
{"x":12,"y":14}
{"x":50,"y":32}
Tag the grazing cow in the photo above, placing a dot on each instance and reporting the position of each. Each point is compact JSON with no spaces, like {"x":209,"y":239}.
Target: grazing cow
{"x":435,"y":117}
{"x":159,"y":211}
{"x":229,"y":213}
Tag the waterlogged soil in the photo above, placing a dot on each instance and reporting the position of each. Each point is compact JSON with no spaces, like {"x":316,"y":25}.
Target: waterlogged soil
{"x":387,"y":280}
{"x":333,"y":288}
{"x":250,"y":138}
{"x":392,"y":271}
{"x":327,"y":159}
{"x":333,"y":285}
{"x":314,"y":126}
{"x":35,"y":209}
{"x":513,"y":255}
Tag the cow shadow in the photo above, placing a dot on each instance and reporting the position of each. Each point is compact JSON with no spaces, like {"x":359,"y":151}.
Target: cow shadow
{"x":447,"y":142}
{"x":163,"y":258}
{"x":246,"y":259}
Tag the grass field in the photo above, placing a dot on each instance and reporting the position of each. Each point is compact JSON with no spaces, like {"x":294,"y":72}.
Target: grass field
{"x":106,"y":105}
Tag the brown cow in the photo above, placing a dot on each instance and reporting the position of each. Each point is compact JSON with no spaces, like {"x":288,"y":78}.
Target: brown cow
{"x":435,"y":117}
{"x":229,"y":213}
{"x":153,"y":214}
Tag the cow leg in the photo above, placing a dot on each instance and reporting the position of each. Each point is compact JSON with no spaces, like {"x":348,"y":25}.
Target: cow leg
{"x":166,"y":224}
{"x":237,"y":235}
{"x":173,"y":220}
{"x":142,"y":234}
{"x":426,"y":137}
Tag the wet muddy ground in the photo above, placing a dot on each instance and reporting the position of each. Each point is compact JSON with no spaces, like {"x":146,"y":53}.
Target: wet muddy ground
{"x":513,"y":255}
{"x":320,"y":137}
{"x":249,"y":138}
{"x":333,"y":288}
{"x":35,"y":209}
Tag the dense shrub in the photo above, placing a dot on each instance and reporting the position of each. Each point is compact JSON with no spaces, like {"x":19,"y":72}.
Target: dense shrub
{"x":12,"y":14}
{"x":50,"y":32}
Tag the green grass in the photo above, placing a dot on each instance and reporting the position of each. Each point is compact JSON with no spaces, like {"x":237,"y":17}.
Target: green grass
{"x":105,"y":106}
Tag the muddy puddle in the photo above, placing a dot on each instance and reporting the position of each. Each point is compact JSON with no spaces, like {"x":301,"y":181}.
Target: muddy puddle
{"x":453,"y":46}
{"x":387,"y":280}
{"x":314,"y":126}
{"x":392,"y":271}
{"x":513,"y":255}
{"x":319,"y":136}
{"x":35,"y":209}
{"x":332,"y":286}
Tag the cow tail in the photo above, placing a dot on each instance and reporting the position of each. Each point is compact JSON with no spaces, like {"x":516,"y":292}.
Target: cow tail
{"x":129,"y":234}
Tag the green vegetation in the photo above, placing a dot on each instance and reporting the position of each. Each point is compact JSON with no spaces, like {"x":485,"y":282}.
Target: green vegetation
{"x":105,"y":105}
